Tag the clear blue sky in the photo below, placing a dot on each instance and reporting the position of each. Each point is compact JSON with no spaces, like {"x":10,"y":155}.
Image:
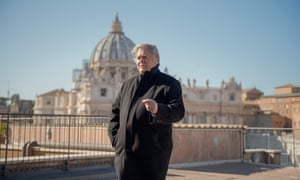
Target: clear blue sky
{"x":256,"y":41}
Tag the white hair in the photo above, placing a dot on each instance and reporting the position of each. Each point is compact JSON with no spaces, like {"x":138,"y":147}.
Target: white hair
{"x":153,"y":49}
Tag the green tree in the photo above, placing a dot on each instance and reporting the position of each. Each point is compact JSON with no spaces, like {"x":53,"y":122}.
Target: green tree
{"x":3,"y":130}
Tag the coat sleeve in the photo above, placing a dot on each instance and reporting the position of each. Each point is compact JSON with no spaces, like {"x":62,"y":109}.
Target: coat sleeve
{"x":114,"y":121}
{"x":173,"y":110}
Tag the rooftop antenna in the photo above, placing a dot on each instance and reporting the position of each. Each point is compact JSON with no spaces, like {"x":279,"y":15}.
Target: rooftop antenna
{"x":8,"y":99}
{"x":8,"y":93}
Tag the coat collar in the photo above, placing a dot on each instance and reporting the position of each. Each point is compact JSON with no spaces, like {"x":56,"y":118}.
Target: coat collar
{"x":150,"y":73}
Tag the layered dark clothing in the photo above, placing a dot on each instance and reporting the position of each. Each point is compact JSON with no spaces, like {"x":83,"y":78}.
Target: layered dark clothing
{"x":143,"y":143}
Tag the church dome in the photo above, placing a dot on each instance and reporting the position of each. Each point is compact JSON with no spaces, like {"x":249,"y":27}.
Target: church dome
{"x":114,"y":47}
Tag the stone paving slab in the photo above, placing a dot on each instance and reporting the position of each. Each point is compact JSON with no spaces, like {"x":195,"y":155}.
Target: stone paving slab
{"x":237,"y":171}
{"x":226,"y":171}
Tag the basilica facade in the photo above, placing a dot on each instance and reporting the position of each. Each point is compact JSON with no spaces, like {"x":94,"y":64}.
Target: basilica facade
{"x":95,"y":86}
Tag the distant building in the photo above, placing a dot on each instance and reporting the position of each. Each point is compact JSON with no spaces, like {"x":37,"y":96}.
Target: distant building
{"x":3,"y":105}
{"x":250,"y":98}
{"x":285,"y":103}
{"x":250,"y":95}
{"x":53,"y":102}
{"x":215,"y":105}
{"x":17,"y":105}
{"x":96,"y":85}
{"x":258,"y":112}
{"x":252,"y":114}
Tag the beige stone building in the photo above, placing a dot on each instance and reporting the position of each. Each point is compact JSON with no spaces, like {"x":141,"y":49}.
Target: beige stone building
{"x":281,"y":110}
{"x":250,"y":98}
{"x":252,"y":115}
{"x":214,"y":105}
{"x":285,"y":103}
{"x":96,"y":85}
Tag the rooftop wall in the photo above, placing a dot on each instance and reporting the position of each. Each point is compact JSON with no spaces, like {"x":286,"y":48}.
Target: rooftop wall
{"x":192,"y":143}
{"x":201,"y":143}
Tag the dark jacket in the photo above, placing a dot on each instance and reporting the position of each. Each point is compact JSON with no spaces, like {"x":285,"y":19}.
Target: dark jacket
{"x":143,"y":143}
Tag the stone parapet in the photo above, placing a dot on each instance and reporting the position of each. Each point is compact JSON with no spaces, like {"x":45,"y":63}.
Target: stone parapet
{"x":207,"y":142}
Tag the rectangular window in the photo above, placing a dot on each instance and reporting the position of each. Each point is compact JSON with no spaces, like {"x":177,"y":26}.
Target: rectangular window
{"x":231,"y":97}
{"x":123,"y":75}
{"x":103,"y":92}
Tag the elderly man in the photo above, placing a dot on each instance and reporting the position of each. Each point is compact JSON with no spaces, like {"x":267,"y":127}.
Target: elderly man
{"x":140,"y":128}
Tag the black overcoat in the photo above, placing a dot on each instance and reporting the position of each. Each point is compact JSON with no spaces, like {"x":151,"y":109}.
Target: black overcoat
{"x":143,"y":143}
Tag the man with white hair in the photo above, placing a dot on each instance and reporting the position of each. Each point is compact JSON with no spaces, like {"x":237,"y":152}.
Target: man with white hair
{"x":140,"y":128}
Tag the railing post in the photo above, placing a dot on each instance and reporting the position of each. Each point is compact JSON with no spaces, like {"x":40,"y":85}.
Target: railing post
{"x":65,"y":165}
{"x":69,"y":143}
{"x":294,"y":149}
{"x":3,"y":168}
{"x":243,"y":143}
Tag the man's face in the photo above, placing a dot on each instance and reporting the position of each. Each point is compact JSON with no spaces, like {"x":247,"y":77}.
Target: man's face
{"x":145,"y":61}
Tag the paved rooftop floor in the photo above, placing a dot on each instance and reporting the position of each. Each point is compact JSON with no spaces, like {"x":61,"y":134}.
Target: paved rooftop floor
{"x":224,"y":171}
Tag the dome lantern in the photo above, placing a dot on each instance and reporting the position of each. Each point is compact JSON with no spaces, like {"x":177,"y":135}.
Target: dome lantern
{"x":116,"y":27}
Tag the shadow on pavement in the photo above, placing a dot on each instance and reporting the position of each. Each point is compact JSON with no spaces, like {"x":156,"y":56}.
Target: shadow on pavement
{"x":230,"y":168}
{"x":217,"y":171}
{"x":91,"y":173}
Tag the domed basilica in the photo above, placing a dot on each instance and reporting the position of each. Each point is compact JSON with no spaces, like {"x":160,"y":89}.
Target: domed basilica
{"x":95,"y":86}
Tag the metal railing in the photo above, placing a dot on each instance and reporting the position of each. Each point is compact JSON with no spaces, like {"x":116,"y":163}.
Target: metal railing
{"x":31,"y":142}
{"x":283,"y":142}
{"x":47,"y":142}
